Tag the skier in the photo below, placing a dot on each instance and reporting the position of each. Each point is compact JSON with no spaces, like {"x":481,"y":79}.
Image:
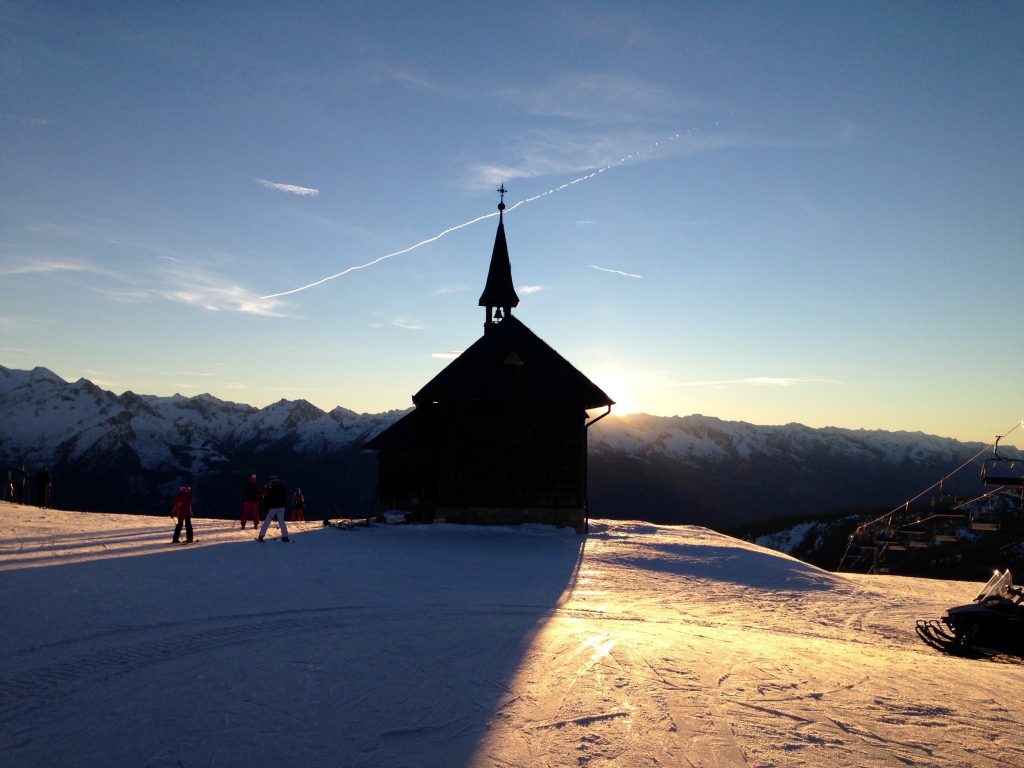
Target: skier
{"x":298,"y":512}
{"x":44,"y":484}
{"x":182,"y":509}
{"x":251,"y":498}
{"x":21,"y":484}
{"x":276,"y":499}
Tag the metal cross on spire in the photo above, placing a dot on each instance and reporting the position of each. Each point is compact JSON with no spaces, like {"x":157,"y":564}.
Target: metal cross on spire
{"x":501,"y":202}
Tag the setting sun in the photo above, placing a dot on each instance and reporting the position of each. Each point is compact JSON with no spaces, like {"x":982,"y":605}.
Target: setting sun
{"x":616,"y":383}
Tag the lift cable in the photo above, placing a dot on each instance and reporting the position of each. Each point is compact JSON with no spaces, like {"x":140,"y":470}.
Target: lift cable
{"x":933,"y":486}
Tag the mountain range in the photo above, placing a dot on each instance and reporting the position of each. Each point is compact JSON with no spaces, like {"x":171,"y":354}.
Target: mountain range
{"x":130,"y":452}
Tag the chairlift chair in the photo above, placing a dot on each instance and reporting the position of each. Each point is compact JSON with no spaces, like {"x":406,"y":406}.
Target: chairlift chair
{"x":984,"y":525}
{"x":1000,"y":470}
{"x":985,"y":520}
{"x":1003,"y":472}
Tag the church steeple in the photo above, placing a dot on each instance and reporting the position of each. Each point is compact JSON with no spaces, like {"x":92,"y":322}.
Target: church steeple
{"x":499,"y":295}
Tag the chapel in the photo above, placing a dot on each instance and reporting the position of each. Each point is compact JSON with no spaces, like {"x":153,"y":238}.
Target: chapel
{"x":499,"y":436}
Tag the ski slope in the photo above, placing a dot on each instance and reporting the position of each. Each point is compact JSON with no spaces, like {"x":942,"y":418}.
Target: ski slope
{"x":637,"y":645}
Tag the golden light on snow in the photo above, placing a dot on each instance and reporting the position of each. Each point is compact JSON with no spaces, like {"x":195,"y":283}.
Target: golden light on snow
{"x":685,"y":647}
{"x":97,"y":536}
{"x":599,"y":646}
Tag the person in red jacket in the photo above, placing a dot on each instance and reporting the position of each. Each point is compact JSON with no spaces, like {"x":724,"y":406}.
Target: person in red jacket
{"x":182,"y":509}
{"x":251,"y":498}
{"x":298,"y":511}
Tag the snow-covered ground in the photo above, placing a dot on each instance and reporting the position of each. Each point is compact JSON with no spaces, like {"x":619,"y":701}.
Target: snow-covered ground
{"x":637,"y":645}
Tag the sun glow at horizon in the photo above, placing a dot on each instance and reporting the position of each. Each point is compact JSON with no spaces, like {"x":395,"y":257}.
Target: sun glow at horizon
{"x":616,"y":383}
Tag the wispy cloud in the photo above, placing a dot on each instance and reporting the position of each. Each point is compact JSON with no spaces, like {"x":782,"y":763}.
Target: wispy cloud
{"x":188,"y":373}
{"x":186,"y":279}
{"x":615,"y":271}
{"x":604,"y":115}
{"x":218,"y":297}
{"x":292,"y":189}
{"x":847,"y":132}
{"x":752,"y":381}
{"x":417,"y":82}
{"x":596,"y":97}
{"x":779,"y":381}
{"x":17,"y":324}
{"x":526,"y":290}
{"x":446,"y":355}
{"x":179,"y":277}
{"x":407,"y":323}
{"x":138,"y":269}
{"x":606,"y":146}
{"x":44,"y":266}
{"x":444,"y":289}
{"x":336,"y":225}
{"x":125,"y":295}
{"x":555,"y":153}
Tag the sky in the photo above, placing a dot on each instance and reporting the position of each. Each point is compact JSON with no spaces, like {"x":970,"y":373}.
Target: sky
{"x":764,"y":212}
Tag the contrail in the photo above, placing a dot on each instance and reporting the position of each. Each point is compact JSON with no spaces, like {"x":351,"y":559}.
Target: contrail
{"x":379,"y":259}
{"x":441,"y":234}
{"x":615,"y":271}
{"x":290,"y":188}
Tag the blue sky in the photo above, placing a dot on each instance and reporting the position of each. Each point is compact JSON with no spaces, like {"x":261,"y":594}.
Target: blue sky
{"x":805,"y":212}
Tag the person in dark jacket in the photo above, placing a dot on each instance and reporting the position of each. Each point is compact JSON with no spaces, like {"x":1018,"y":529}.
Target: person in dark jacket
{"x":251,"y":498}
{"x":44,"y":483}
{"x":182,"y":509}
{"x":21,"y":484}
{"x":276,"y":500}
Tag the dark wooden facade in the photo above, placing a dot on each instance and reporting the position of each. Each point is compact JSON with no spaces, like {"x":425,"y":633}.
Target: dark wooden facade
{"x":455,"y":469}
{"x":500,"y":435}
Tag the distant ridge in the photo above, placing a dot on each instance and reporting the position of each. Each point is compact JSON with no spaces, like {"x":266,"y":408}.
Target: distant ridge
{"x":129,"y":452}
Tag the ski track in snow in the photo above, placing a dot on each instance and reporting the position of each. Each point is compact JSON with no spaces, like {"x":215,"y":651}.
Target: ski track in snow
{"x":637,"y":645}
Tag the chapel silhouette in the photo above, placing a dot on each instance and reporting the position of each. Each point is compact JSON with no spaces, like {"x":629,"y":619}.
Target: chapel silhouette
{"x":500,"y":435}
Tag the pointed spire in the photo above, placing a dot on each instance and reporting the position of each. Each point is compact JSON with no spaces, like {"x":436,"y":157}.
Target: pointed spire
{"x":499,"y":291}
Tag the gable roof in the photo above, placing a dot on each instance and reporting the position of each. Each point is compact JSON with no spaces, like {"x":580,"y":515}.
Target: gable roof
{"x":408,"y":432}
{"x":510,"y":363}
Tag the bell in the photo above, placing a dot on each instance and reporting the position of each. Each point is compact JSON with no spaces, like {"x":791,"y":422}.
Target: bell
{"x":497,"y":314}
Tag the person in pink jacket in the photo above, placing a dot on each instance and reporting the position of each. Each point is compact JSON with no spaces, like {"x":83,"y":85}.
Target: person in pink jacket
{"x":251,"y":498}
{"x":298,"y":510}
{"x":182,"y":509}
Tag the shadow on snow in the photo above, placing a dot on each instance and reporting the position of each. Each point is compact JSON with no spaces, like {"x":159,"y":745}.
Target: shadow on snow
{"x":386,"y":646}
